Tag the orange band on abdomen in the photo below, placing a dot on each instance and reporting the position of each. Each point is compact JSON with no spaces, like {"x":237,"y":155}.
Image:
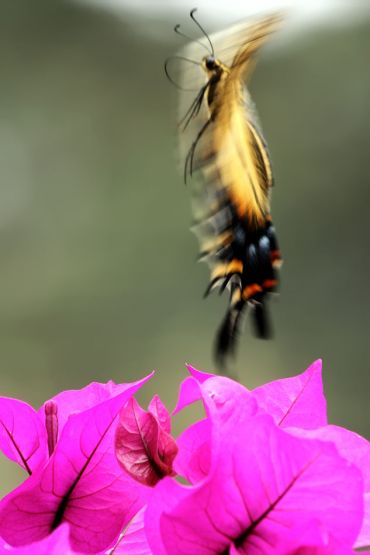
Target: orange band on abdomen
{"x":251,"y":290}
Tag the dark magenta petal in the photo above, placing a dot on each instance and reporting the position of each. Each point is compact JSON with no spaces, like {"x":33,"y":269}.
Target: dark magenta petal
{"x":266,"y":484}
{"x":157,"y":408}
{"x":82,"y":484}
{"x":143,"y":448}
{"x":51,"y":424}
{"x":22,"y":434}
{"x":297,"y":401}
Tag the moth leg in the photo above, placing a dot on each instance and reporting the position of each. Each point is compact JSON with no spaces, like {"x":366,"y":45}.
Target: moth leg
{"x":190,"y":155}
{"x":194,"y":108}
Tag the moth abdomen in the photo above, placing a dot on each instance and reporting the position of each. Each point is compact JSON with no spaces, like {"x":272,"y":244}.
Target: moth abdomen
{"x":250,"y":273}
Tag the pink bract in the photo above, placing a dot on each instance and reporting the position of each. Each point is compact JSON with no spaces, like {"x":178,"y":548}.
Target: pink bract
{"x":264,"y":485}
{"x":56,"y":543}
{"x":81,"y":484}
{"x":266,"y":474}
{"x":133,"y":541}
{"x":22,"y":434}
{"x":143,"y":446}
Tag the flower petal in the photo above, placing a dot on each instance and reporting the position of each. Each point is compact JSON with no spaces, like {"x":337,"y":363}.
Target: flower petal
{"x":166,"y":495}
{"x":226,"y":403}
{"x":265,"y":483}
{"x":82,"y":484}
{"x":22,"y":434}
{"x":189,"y":393}
{"x":356,"y":450}
{"x":73,"y":401}
{"x":144,"y":450}
{"x":193,"y":460}
{"x":55,"y":544}
{"x":158,"y":409}
{"x":133,"y":541}
{"x":297,"y":401}
{"x":198,"y":375}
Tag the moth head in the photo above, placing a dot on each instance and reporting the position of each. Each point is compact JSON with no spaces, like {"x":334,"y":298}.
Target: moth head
{"x":210,"y":64}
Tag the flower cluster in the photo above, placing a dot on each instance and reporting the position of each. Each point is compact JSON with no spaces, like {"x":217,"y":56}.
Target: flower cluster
{"x":261,"y":473}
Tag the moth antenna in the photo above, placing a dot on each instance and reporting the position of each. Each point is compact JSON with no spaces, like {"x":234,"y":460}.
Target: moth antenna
{"x":169,"y":76}
{"x":178,"y":32}
{"x":203,"y":31}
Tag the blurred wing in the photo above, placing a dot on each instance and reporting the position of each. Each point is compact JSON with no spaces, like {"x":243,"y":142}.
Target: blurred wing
{"x":237,"y":112}
{"x":256,"y":36}
{"x":235,"y":47}
{"x":241,"y":154}
{"x":241,"y":158}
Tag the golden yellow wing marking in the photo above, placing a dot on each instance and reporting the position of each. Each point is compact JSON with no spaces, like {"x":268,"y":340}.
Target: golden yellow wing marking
{"x":256,"y":36}
{"x":238,"y":156}
{"x":241,"y":156}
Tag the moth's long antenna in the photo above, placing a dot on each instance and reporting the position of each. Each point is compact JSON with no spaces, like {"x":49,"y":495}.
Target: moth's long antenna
{"x":169,"y":76}
{"x":183,"y":58}
{"x":178,"y":32}
{"x":201,"y":28}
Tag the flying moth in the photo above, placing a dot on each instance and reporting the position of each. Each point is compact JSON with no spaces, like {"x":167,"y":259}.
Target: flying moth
{"x":221,"y":138}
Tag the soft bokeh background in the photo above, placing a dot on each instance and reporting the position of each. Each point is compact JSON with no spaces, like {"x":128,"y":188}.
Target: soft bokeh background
{"x":98,"y":277}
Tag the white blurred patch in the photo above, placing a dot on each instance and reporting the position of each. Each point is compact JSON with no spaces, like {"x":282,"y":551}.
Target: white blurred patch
{"x":229,"y":11}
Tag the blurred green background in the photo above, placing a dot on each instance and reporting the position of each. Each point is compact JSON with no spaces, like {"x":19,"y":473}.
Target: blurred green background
{"x":98,"y":277}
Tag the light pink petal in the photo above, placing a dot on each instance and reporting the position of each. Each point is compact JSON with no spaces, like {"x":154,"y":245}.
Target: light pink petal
{"x":55,"y":544}
{"x":265,"y":482}
{"x":82,"y":484}
{"x":22,"y":434}
{"x":143,"y":448}
{"x":354,"y":449}
{"x":73,"y":401}
{"x":133,"y":541}
{"x":158,"y":409}
{"x":297,"y":401}
{"x":193,"y":460}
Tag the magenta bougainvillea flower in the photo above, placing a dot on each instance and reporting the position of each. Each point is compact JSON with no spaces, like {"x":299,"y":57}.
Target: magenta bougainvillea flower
{"x":80,"y":480}
{"x":265,"y":487}
{"x":266,"y":474}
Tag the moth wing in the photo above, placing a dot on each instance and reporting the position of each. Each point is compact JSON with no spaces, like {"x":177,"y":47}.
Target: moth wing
{"x":242,"y":65}
{"x":257,"y":34}
{"x":235,"y":47}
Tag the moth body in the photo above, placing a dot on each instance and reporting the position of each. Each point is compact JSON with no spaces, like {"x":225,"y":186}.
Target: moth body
{"x":237,"y":237}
